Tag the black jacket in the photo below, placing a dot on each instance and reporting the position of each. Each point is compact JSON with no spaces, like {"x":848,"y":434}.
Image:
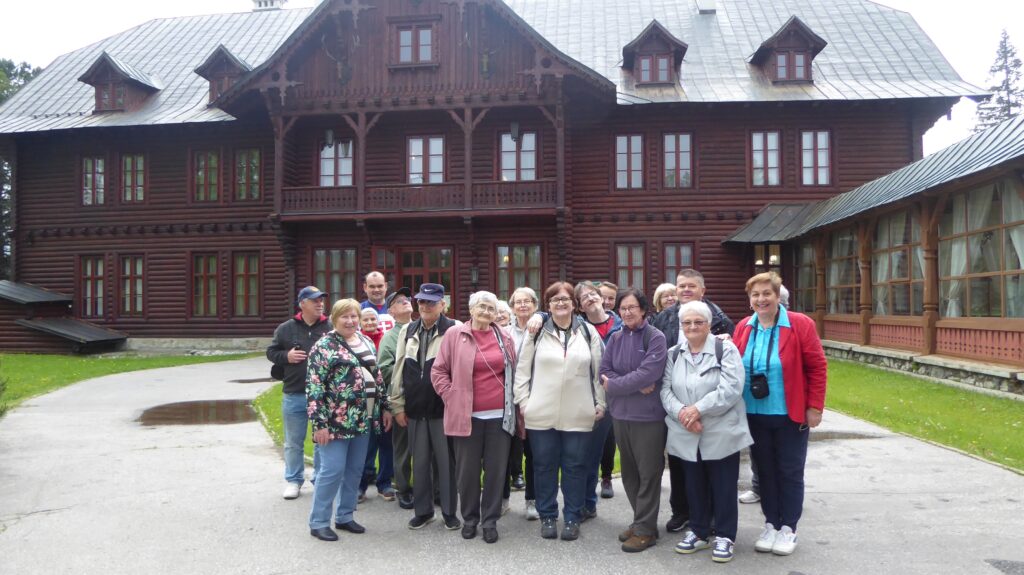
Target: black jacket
{"x":415,"y":390}
{"x":290,"y":334}
{"x":668,"y":322}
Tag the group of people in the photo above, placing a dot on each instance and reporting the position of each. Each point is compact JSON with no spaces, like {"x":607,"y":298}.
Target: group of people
{"x":449,"y":408}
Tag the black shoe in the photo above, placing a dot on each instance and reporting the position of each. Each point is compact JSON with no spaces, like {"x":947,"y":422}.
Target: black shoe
{"x":351,"y":527}
{"x":606,"y":489}
{"x":324,"y":534}
{"x":676,"y":524}
{"x":451,"y":522}
{"x":468,"y":531}
{"x":437,"y":500}
{"x":518,"y":483}
{"x":588,"y":514}
{"x":405,"y":501}
{"x":490,"y":534}
{"x":571,"y":531}
{"x":549,"y":528}
{"x":420,"y":521}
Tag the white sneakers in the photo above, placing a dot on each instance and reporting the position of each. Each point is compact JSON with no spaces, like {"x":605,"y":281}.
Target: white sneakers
{"x":531,"y":510}
{"x":749,"y":497}
{"x":779,"y":542}
{"x":291,"y":490}
{"x":785,"y":542}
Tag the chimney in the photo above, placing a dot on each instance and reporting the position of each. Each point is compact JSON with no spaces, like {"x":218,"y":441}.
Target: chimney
{"x":706,"y":7}
{"x":264,"y":5}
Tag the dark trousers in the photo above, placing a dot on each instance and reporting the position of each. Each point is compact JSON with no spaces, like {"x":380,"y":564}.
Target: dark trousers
{"x":560,"y":451}
{"x":430,"y":448}
{"x":677,"y":496}
{"x":515,"y":465}
{"x":402,"y":459}
{"x":641,"y":446}
{"x":780,"y":450}
{"x":486,"y":449}
{"x":379,"y":445}
{"x":608,"y":455}
{"x":711,"y":492}
{"x":595,"y":451}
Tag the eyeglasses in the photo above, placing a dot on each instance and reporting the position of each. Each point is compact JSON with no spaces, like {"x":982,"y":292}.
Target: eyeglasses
{"x":487,"y":309}
{"x":697,"y":323}
{"x":629,"y":308}
{"x":520,"y":302}
{"x":560,"y":300}
{"x":591,"y":295}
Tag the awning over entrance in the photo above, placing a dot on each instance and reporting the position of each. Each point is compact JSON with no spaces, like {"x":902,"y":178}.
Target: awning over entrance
{"x":29,"y":294}
{"x":78,"y":331}
{"x":776,"y":223}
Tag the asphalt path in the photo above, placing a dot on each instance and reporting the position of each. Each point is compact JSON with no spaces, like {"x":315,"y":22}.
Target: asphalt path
{"x":86,"y":488}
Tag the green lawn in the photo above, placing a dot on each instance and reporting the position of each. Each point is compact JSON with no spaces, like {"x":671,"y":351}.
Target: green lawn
{"x":28,"y":375}
{"x":268,"y":404}
{"x":983,"y":425}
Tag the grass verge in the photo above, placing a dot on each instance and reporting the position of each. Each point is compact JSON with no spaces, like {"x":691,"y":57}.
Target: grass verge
{"x":29,"y":375}
{"x":268,"y":405}
{"x":982,"y":425}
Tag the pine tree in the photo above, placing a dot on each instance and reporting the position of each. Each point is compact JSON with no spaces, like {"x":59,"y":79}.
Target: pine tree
{"x":12,"y":78}
{"x":1007,"y":98}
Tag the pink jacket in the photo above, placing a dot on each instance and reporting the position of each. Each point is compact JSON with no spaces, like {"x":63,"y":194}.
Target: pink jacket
{"x":452,"y":376}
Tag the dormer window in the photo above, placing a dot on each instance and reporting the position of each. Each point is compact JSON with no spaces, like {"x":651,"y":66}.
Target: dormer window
{"x":118,"y":86}
{"x":786,"y":56}
{"x":654,"y":56}
{"x":222,"y":69}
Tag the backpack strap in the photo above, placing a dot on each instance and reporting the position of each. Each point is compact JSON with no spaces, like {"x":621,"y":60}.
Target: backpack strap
{"x":719,"y":350}
{"x":647,"y":337}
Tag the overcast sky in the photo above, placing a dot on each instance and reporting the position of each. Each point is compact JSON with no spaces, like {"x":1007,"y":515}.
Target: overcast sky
{"x":966,"y":31}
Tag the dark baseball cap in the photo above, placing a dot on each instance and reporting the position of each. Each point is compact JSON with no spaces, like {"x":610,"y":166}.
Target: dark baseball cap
{"x":310,"y":292}
{"x":400,"y":291}
{"x":431,"y":292}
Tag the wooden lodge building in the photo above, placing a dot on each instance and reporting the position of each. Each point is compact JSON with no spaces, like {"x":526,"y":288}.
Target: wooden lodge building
{"x":182,"y":178}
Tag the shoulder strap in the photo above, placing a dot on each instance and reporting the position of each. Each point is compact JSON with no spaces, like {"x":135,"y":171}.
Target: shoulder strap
{"x":647,"y":337}
{"x":719,"y":350}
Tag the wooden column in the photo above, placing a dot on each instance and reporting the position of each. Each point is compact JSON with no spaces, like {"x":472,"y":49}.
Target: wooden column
{"x":468,"y":122}
{"x":864,"y":305}
{"x":562,"y":218}
{"x":820,"y":289}
{"x":281,"y":127}
{"x":931,"y":212}
{"x":362,"y":128}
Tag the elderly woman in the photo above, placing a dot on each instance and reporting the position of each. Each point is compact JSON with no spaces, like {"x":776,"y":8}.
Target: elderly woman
{"x":664,"y":297}
{"x":785,"y":396}
{"x":524,"y":304}
{"x":632,"y":366}
{"x":558,"y":390}
{"x":473,"y":373}
{"x":702,"y":394}
{"x":341,"y":390}
{"x":504,"y":314}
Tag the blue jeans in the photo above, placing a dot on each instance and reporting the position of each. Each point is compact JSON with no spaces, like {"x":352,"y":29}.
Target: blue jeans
{"x":379,"y":444}
{"x":564,"y":451}
{"x":296,"y":425}
{"x":341,"y":462}
{"x":594,"y":453}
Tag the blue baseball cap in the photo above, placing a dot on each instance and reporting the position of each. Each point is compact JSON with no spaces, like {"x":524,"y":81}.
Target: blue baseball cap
{"x":310,"y":292}
{"x":431,"y":292}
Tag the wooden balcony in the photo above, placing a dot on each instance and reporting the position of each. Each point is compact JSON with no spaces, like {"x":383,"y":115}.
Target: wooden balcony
{"x":403,"y":200}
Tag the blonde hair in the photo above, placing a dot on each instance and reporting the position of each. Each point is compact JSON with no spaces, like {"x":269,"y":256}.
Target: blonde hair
{"x":765,"y":277}
{"x":343,"y":306}
{"x":662,"y":290}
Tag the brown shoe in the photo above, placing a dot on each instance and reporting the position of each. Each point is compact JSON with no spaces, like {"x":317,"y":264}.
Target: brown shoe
{"x":638,"y":543}
{"x":625,"y":535}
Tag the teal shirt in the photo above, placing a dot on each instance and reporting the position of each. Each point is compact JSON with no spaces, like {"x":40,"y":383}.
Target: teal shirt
{"x":757,"y":343}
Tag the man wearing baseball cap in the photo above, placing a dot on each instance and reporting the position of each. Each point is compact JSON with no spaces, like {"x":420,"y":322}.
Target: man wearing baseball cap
{"x":399,"y":304}
{"x":288,"y":350}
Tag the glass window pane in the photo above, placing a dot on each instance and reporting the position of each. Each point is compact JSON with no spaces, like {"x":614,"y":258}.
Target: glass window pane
{"x":1014,"y":296}
{"x":507,"y":144}
{"x":670,"y":143}
{"x":757,"y":141}
{"x":983,"y":250}
{"x":528,"y":160}
{"x":985,"y":297}
{"x":620,"y":145}
{"x":1013,"y":248}
{"x":436,"y":146}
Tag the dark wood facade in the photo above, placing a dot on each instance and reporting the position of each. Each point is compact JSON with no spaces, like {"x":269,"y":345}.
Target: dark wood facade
{"x":468,"y":92}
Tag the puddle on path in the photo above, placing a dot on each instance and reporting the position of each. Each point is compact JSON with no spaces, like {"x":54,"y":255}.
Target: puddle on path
{"x":255,"y":380}
{"x":834,"y":435}
{"x":211,"y":412}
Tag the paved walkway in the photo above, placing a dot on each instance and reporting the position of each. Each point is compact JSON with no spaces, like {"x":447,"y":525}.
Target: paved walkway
{"x":84,"y":488}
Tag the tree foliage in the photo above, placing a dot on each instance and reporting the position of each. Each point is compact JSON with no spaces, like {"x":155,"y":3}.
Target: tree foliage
{"x":1007,"y":98}
{"x":12,"y":78}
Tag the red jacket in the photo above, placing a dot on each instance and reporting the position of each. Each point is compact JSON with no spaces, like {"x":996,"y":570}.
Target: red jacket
{"x":804,"y":368}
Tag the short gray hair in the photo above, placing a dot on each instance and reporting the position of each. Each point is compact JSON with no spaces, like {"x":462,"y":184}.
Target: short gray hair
{"x":698,"y":307}
{"x":477,"y":298}
{"x":526,"y":290}
{"x":504,"y":307}
{"x":784,"y":296}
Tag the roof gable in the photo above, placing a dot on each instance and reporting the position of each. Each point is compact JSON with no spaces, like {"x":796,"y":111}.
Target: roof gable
{"x":652,"y":32}
{"x":105,"y":62}
{"x":793,"y":29}
{"x":218,"y":59}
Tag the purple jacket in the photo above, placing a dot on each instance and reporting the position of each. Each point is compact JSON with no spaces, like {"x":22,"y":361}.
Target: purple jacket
{"x":629,"y":369}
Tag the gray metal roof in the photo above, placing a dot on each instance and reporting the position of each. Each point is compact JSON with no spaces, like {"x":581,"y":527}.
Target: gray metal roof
{"x":24,"y":293}
{"x":168,"y":49}
{"x":873,"y":52}
{"x":73,"y":329}
{"x":775,"y":223}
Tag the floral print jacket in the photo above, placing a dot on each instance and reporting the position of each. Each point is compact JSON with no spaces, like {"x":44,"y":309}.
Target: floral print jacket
{"x":336,"y":391}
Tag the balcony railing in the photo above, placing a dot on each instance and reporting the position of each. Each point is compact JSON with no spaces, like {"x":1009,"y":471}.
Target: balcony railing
{"x":450,"y":196}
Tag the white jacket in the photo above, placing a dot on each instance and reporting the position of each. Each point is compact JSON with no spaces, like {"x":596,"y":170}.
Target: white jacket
{"x":560,"y":388}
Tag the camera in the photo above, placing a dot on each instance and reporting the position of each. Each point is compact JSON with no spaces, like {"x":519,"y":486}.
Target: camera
{"x":759,"y":385}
